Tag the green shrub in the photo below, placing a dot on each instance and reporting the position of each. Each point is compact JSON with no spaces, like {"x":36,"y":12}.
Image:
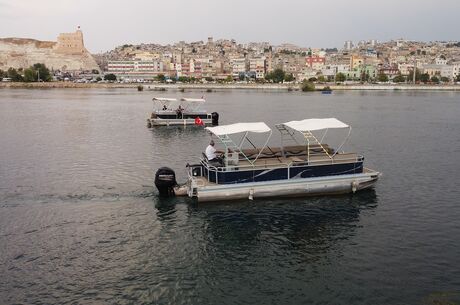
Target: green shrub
{"x":307,"y":86}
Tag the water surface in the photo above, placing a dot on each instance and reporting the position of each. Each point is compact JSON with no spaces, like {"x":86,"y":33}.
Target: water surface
{"x":80,"y":222}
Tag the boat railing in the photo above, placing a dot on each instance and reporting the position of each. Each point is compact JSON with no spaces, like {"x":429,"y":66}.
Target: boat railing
{"x":211,"y":169}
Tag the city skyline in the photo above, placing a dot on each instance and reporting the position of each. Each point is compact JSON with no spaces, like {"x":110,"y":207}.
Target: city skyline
{"x":322,"y":25}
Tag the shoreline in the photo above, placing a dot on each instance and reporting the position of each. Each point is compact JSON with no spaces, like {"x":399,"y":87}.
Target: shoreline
{"x":287,"y":87}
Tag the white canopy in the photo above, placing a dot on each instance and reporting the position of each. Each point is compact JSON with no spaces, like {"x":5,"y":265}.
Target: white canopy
{"x":194,"y":100}
{"x":315,"y":124}
{"x":164,"y":99}
{"x":188,"y":104}
{"x":239,"y":127}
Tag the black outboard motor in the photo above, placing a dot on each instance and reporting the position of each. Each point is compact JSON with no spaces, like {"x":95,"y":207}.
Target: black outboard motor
{"x":215,"y":118}
{"x":165,"y":181}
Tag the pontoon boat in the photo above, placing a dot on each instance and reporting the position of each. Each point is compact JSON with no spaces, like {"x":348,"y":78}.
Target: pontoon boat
{"x":310,"y":167}
{"x":184,"y":111}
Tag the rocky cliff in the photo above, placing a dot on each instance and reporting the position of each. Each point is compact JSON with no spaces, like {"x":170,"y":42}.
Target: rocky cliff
{"x":24,"y":52}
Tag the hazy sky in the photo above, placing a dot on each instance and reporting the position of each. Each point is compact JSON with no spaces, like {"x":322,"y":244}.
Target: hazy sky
{"x":107,"y":24}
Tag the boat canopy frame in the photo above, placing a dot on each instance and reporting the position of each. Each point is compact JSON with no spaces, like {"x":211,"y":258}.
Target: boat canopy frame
{"x":188,"y":104}
{"x":223,"y":133}
{"x":306,"y":128}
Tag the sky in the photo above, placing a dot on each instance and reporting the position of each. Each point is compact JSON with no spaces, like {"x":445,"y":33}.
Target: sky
{"x":317,"y":24}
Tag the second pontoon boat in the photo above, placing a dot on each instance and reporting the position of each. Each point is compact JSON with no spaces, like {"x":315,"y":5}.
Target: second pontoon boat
{"x":184,"y":111}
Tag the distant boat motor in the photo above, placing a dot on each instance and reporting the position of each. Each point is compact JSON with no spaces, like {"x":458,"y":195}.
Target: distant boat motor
{"x":215,"y":118}
{"x":165,"y":181}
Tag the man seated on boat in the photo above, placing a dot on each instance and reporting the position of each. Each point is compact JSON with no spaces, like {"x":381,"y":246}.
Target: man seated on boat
{"x":179,"y":112}
{"x":211,"y":154}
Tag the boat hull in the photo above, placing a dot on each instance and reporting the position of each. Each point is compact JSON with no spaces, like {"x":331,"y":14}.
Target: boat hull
{"x":176,"y":122}
{"x":283,"y":188}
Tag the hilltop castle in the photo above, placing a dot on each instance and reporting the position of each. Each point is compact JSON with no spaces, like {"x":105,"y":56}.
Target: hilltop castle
{"x":67,"y":54}
{"x":70,"y":43}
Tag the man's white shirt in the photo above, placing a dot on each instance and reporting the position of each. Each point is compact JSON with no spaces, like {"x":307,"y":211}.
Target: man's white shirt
{"x":210,"y":152}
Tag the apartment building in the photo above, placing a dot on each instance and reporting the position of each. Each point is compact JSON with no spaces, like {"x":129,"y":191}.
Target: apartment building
{"x":257,"y":66}
{"x":134,"y":67}
{"x":315,"y":62}
{"x":238,"y":66}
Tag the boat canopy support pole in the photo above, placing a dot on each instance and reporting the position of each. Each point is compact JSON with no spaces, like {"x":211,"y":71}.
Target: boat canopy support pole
{"x":344,"y":141}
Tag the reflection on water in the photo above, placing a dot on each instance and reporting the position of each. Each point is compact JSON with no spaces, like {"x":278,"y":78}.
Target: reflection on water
{"x":80,"y":221}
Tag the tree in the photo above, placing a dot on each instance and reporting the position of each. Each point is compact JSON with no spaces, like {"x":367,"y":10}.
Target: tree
{"x":458,"y":78}
{"x":14,"y":75}
{"x":382,"y":78}
{"x":209,"y":79}
{"x":445,"y":79}
{"x":2,"y":74}
{"x":365,"y":76}
{"x":418,"y":75}
{"x":435,"y":79}
{"x":110,"y":77}
{"x":307,"y":86}
{"x":289,"y":77}
{"x":278,"y":75}
{"x":312,"y":79}
{"x":425,"y":78}
{"x":229,"y":79}
{"x":183,"y":79}
{"x":340,"y":77}
{"x":98,"y":79}
{"x":42,"y":71}
{"x":321,"y":79}
{"x":399,"y":79}
{"x":30,"y":75}
{"x":161,"y":78}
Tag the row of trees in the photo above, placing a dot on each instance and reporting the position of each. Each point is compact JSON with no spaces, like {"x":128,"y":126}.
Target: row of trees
{"x":278,"y":76}
{"x":37,"y":72}
{"x":419,"y":77}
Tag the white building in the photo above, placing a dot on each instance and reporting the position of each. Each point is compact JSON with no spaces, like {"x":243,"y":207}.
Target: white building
{"x":134,"y":66}
{"x":405,"y":68}
{"x":348,"y":45}
{"x":257,"y":66}
{"x":238,"y":66}
{"x":440,"y":61}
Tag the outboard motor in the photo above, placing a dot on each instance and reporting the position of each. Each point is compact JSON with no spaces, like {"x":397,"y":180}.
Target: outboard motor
{"x":165,"y":181}
{"x":215,"y":118}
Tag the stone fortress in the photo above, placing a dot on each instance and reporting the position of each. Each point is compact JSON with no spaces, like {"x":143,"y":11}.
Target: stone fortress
{"x":67,"y":54}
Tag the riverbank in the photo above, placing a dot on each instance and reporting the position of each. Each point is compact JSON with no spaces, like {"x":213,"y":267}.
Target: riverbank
{"x":293,"y":87}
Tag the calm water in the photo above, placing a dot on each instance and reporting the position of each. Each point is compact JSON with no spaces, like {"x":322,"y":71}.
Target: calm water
{"x":80,"y":222}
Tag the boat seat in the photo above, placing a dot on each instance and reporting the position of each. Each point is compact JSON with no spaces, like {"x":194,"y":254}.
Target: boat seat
{"x":296,"y":159}
{"x":212,"y":163}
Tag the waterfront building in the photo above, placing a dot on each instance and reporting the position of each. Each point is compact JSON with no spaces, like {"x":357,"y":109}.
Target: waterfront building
{"x":238,"y":66}
{"x":389,"y":71}
{"x":405,"y":68}
{"x":257,"y":66}
{"x":134,"y":67}
{"x":432,"y":70}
